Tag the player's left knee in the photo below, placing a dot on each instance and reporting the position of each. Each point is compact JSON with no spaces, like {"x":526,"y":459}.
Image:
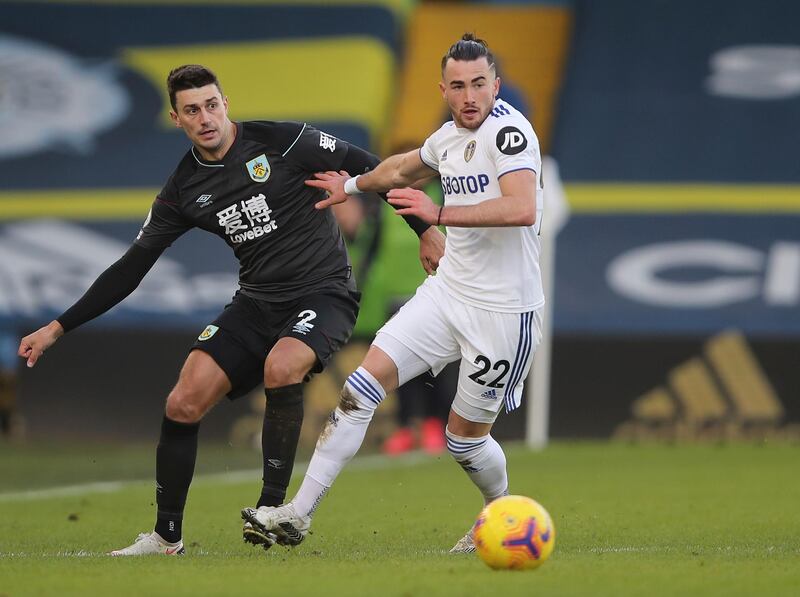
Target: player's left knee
{"x":282,"y":372}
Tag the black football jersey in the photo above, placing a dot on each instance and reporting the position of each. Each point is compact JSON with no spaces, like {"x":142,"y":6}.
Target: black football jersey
{"x":256,"y":200}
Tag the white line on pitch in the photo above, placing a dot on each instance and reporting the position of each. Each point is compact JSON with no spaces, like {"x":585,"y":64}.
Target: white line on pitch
{"x":372,"y":462}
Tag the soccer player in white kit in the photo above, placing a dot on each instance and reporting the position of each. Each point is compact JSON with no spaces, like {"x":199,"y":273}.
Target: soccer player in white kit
{"x":483,"y":306}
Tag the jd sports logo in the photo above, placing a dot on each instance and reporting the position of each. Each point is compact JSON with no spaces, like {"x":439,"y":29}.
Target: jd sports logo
{"x":724,"y":394}
{"x":510,"y":140}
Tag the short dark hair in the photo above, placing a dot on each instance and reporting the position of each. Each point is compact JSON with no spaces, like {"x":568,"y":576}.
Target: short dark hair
{"x":189,"y":76}
{"x":469,"y":48}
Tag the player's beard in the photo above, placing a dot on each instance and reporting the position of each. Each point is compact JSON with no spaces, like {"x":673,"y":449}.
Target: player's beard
{"x":474,"y":123}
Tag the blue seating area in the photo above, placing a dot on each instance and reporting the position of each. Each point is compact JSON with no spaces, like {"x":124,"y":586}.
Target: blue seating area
{"x":105,"y":65}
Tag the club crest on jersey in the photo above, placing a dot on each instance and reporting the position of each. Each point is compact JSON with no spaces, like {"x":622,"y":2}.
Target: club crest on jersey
{"x":258,"y":168}
{"x":469,"y":150}
{"x":208,"y":332}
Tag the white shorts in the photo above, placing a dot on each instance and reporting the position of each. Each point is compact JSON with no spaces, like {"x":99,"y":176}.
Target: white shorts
{"x":496,"y":349}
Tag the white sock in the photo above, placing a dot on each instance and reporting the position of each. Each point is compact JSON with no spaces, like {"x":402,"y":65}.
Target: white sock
{"x":483,"y":460}
{"x":340,"y":439}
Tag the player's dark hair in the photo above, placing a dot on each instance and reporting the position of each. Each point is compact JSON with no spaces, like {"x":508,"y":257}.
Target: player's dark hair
{"x":469,"y":48}
{"x":189,"y":76}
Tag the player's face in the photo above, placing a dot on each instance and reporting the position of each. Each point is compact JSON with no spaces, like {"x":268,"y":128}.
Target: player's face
{"x":203,"y":114}
{"x":469,"y":88}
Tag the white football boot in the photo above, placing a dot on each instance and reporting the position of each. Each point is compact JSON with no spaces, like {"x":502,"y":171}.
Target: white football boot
{"x":150,"y":544}
{"x":464,"y":545}
{"x":283,"y":522}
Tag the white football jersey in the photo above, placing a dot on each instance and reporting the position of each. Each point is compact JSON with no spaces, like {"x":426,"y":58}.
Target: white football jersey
{"x":493,"y":268}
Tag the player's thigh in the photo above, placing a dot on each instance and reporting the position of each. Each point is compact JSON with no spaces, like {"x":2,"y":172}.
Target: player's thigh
{"x":419,"y":336}
{"x":238,"y":341}
{"x":496,"y":355}
{"x":288,"y":362}
{"x":323,"y":322}
{"x":201,"y":384}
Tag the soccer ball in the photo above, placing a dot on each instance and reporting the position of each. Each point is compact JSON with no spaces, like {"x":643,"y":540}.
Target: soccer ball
{"x":514,"y":532}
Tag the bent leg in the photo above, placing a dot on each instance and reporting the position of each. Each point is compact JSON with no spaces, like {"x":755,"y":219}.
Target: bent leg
{"x":344,"y":432}
{"x":338,"y":442}
{"x":200,"y":386}
{"x":346,"y":427}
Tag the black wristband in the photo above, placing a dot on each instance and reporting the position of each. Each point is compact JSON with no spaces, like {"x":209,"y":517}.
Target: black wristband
{"x":416,"y":224}
{"x":439,"y":217}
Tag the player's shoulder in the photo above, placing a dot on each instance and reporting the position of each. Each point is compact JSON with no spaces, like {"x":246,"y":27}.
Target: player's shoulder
{"x":447,"y":129}
{"x":274,"y":135}
{"x":505,"y":115}
{"x":508,"y":130}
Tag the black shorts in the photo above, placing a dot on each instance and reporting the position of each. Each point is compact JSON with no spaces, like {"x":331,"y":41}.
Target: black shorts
{"x":241,"y":337}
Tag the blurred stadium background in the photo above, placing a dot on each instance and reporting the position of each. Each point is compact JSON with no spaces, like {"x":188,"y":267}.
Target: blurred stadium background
{"x":675,"y":304}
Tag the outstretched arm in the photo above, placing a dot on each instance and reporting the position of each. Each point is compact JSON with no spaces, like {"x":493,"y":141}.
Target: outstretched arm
{"x":431,"y":240}
{"x":395,"y":171}
{"x":110,"y":288}
{"x":359,"y":161}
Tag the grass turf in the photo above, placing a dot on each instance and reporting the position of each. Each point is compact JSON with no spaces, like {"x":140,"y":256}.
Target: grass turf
{"x":630,"y":520}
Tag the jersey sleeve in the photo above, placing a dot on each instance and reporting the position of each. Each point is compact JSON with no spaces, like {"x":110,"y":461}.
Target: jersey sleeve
{"x":428,"y":153}
{"x":316,"y":151}
{"x":513,"y":146}
{"x":164,"y":222}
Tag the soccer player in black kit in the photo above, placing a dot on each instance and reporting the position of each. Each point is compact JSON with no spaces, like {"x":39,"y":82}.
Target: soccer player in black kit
{"x":297,"y":301}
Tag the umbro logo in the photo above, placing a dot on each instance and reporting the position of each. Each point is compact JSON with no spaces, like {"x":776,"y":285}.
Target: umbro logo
{"x":204,"y":200}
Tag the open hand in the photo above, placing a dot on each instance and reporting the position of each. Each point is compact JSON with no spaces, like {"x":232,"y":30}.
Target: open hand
{"x":333,"y":184}
{"x":412,"y":202}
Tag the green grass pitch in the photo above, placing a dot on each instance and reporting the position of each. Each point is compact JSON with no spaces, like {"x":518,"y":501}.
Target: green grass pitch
{"x":630,"y":520}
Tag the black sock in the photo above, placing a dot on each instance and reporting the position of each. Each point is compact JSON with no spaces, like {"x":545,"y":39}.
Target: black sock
{"x":281,"y":432}
{"x":175,"y":457}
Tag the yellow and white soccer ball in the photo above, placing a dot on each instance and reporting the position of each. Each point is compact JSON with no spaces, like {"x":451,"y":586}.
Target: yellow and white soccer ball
{"x":514,"y":532}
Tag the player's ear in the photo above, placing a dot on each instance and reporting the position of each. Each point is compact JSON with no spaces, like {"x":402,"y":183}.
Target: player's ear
{"x":225,"y":102}
{"x":174,"y":116}
{"x":442,"y":88}
{"x":496,"y":86}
